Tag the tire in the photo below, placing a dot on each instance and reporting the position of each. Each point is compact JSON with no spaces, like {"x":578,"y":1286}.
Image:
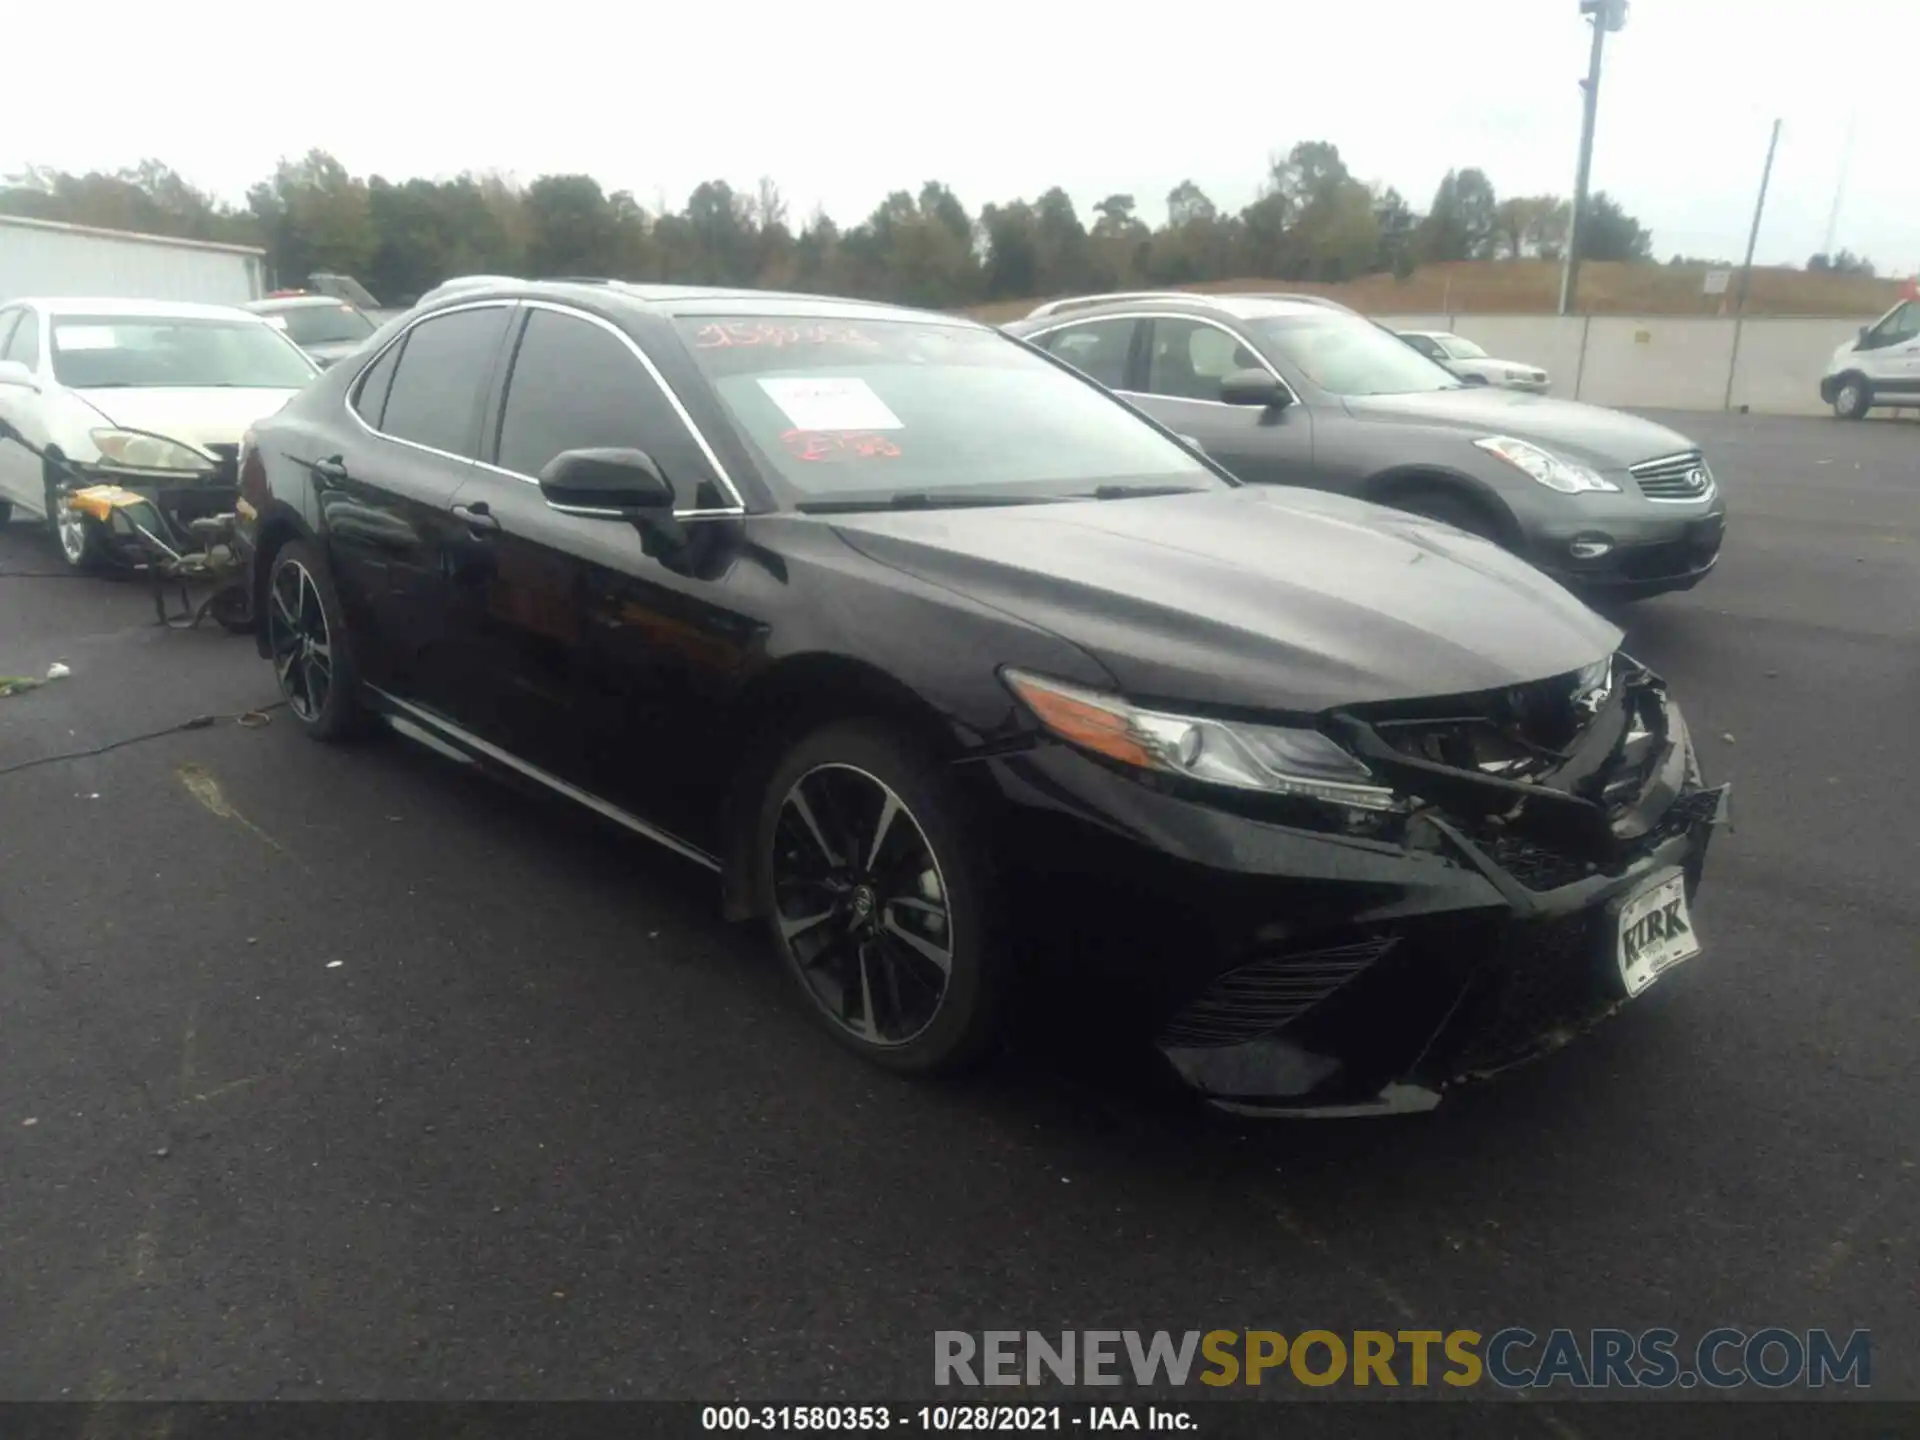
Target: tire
{"x":314,"y":667}
{"x":1449,"y":508}
{"x":868,"y":966}
{"x":1854,"y":397}
{"x":75,"y":536}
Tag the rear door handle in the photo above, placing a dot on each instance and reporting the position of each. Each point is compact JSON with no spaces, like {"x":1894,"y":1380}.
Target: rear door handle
{"x":332,"y":470}
{"x":478,"y":517}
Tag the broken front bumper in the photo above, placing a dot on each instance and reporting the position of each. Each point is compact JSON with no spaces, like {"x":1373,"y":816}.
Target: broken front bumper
{"x":1282,"y":969}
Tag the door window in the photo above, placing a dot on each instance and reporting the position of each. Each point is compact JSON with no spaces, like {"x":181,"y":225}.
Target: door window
{"x":1189,"y":359}
{"x":1098,"y":349}
{"x":1899,"y":327}
{"x":578,"y":386}
{"x":370,"y":396}
{"x":440,"y":384}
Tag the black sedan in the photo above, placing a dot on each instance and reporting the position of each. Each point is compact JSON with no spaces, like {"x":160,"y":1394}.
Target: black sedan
{"x":959,"y":672}
{"x":1289,"y":390}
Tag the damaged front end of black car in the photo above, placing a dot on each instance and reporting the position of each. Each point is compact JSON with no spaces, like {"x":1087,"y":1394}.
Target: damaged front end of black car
{"x":1517,"y":864}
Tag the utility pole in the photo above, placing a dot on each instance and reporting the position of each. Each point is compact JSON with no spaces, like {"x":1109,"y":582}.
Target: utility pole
{"x":1604,"y":16}
{"x":1746,"y":267}
{"x":1759,"y":208}
{"x":1840,"y":191}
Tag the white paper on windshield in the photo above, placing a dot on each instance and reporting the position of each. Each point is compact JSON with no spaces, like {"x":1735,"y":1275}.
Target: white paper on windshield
{"x":820,"y":403}
{"x":84,"y":337}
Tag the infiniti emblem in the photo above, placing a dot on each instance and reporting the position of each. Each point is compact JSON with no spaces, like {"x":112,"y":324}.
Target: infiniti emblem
{"x":1697,"y":478}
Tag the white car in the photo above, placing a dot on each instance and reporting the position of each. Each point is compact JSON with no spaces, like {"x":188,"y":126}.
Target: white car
{"x":1881,"y":367}
{"x":1465,"y":359}
{"x":150,"y":396}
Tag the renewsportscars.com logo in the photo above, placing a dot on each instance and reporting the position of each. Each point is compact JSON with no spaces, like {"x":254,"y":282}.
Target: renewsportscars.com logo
{"x":1514,"y":1358}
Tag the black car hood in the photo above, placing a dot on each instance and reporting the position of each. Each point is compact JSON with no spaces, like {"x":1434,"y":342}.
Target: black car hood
{"x":1260,"y":597}
{"x":1586,"y":433}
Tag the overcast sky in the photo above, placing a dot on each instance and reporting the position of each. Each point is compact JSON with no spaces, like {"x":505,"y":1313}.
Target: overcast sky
{"x":842,"y":100}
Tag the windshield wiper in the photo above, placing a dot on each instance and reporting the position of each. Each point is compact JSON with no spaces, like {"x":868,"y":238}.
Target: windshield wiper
{"x":1139,"y":492}
{"x":919,"y":500}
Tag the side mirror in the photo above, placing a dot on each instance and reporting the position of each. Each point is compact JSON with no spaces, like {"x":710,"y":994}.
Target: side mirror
{"x":1195,"y":444}
{"x":606,"y":484}
{"x":1863,"y":332}
{"x":1252,"y":387}
{"x":12,"y":372}
{"x":615,"y":484}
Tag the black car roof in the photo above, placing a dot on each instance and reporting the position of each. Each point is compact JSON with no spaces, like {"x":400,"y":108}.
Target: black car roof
{"x":695,"y":300}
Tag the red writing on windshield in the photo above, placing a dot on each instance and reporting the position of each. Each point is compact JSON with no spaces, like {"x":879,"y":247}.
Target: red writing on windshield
{"x":720,"y":336}
{"x":838,"y":445}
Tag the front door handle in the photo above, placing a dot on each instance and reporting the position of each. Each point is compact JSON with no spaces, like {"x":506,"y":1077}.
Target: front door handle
{"x":330,"y":471}
{"x":478,"y":517}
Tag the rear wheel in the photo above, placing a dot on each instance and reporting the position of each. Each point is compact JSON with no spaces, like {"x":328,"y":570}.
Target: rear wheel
{"x":879,"y":900}
{"x":311,"y":650}
{"x":1854,"y":397}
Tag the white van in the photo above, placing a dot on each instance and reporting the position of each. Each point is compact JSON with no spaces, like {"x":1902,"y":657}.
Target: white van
{"x":1882,"y":367}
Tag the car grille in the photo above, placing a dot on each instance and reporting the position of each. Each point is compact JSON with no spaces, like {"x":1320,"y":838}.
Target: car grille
{"x":1674,"y":477}
{"x":1260,"y":997}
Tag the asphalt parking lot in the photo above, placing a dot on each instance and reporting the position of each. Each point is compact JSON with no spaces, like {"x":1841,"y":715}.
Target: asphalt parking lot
{"x":330,"y":1073}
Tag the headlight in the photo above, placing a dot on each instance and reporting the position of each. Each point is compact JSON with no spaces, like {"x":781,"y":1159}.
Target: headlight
{"x":1242,"y":756}
{"x":1550,"y":470}
{"x":148,"y":452}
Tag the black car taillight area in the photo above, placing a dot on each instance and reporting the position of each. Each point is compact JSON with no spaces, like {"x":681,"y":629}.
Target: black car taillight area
{"x":1258,"y":998}
{"x":253,"y":473}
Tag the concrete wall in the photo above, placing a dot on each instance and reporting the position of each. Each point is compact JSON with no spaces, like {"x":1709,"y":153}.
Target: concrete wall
{"x":1679,"y":362}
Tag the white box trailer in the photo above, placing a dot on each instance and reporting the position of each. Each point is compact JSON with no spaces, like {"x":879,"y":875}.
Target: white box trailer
{"x":52,"y":259}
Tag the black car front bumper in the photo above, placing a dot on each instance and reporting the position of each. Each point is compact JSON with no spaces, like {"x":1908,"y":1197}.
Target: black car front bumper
{"x":1282,"y":969}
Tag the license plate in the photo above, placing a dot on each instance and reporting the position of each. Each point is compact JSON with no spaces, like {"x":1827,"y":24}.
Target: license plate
{"x":1656,"y":932}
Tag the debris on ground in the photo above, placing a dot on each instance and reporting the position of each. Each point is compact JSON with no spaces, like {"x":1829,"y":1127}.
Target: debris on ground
{"x":16,"y":684}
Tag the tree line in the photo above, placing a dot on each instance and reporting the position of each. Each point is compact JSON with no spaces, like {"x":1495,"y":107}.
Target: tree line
{"x":1312,"y":220}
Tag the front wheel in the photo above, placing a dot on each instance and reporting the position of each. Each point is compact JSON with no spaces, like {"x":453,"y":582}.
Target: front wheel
{"x":1434,"y":503}
{"x":75,"y":534}
{"x":880,"y":901}
{"x":1853,"y":399}
{"x":311,"y":650}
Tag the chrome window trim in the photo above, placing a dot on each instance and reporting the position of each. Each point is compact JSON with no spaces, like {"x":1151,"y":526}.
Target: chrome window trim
{"x":1293,"y":396}
{"x":446,"y":728}
{"x":360,"y":375}
{"x":738,"y":507}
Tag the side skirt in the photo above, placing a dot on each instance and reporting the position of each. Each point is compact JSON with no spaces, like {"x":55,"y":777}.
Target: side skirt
{"x":441,"y":735}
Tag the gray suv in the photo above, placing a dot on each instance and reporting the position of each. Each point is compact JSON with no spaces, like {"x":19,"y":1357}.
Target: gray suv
{"x":1294,"y":390}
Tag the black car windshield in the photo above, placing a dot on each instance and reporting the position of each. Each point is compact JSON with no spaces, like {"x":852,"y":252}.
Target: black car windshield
{"x":848,"y":410}
{"x":153,"y":352}
{"x":321,"y":324}
{"x":1344,"y":355}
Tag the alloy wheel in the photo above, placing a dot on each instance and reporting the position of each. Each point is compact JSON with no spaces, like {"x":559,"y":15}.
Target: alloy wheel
{"x":298,"y":640}
{"x":1847,"y":402}
{"x":69,"y":525}
{"x":861,"y":905}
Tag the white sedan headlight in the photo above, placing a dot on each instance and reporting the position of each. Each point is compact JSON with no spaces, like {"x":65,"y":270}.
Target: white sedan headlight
{"x":136,"y":451}
{"x":1549,"y":469}
{"x":1242,"y":756}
